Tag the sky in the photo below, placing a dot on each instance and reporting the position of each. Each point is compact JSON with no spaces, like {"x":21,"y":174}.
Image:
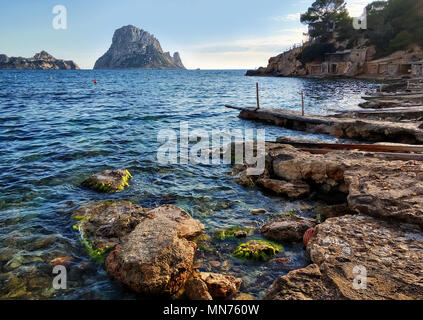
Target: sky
{"x":209,"y":34}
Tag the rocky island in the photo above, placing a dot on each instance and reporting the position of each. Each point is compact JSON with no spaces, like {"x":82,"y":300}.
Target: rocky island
{"x":134,"y":48}
{"x":41,"y":61}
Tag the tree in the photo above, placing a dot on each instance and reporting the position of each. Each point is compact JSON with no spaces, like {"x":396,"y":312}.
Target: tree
{"x":323,"y":16}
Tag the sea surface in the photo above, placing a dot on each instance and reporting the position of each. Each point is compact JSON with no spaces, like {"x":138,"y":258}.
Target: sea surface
{"x":58,"y":127}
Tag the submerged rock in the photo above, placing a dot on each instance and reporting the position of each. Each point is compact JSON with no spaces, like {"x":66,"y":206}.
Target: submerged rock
{"x":157,"y":257}
{"x":358,"y":257}
{"x":108,"y":180}
{"x":105,"y":224}
{"x":258,"y":250}
{"x":287,"y":229}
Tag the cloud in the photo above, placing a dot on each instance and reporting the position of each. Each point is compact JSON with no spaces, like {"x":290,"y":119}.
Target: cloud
{"x":288,"y":18}
{"x":356,"y":7}
{"x":244,"y":53}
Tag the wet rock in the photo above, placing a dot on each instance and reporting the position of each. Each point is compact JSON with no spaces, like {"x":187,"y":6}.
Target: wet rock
{"x":103,"y":225}
{"x":285,"y":260}
{"x":196,"y":289}
{"x":294,"y":189}
{"x":64,"y":261}
{"x":258,"y":212}
{"x":214,"y":264}
{"x":233,"y":232}
{"x":258,"y":250}
{"x":221,"y":286}
{"x":287,"y":229}
{"x":108,"y":180}
{"x":157,"y":257}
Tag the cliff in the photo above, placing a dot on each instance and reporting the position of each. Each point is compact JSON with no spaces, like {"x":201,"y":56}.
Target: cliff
{"x":134,"y":48}
{"x":41,"y":61}
{"x":356,"y":62}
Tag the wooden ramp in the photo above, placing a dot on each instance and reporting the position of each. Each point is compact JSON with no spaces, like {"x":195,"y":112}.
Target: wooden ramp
{"x":392,"y":114}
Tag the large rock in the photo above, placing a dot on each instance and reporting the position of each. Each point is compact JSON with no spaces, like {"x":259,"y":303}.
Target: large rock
{"x":133,"y":48}
{"x":358,"y":257}
{"x":221,"y":286}
{"x":157,"y":257}
{"x":40,"y":61}
{"x":287,"y":229}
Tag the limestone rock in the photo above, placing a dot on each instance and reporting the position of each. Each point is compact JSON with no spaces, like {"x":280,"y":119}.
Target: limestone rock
{"x":345,"y":249}
{"x":221,"y":286}
{"x":104,"y":224}
{"x":287,"y":229}
{"x":108,"y":180}
{"x":133,"y":48}
{"x":40,"y":61}
{"x":157,"y":257}
{"x":196,"y":289}
{"x":294,"y":189}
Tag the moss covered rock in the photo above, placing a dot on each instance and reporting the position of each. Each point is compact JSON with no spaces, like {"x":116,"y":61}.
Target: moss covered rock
{"x":257,"y":250}
{"x":108,"y":181}
{"x":234,"y":232}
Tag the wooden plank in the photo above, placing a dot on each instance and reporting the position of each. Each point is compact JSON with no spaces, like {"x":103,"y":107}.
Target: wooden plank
{"x":361,"y":147}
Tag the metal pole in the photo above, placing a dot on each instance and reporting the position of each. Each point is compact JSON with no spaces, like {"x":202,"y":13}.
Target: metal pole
{"x":257,"y":95}
{"x":302,"y":103}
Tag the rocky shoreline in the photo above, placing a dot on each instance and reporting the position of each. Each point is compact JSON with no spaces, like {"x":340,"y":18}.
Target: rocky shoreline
{"x":41,"y":61}
{"x":371,"y":226}
{"x":375,"y":229}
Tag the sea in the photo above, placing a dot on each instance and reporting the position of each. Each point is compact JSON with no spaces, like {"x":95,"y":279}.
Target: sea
{"x":59,"y":127}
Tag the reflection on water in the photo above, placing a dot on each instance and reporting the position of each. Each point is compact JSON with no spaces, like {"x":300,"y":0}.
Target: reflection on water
{"x":54,"y":133}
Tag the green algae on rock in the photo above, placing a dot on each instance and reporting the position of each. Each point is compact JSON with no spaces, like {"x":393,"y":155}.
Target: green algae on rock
{"x":103,"y":225}
{"x":257,"y":250}
{"x":108,"y":181}
{"x":234,"y":232}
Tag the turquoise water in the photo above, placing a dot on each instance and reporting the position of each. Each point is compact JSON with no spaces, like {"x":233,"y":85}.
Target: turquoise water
{"x":57,"y":128}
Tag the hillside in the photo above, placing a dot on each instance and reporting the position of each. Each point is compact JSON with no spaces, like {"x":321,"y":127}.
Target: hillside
{"x":390,"y":46}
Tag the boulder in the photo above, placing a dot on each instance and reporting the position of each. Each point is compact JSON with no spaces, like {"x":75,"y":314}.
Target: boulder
{"x":287,"y":229}
{"x":157,"y":257}
{"x":196,"y":289}
{"x":358,"y":257}
{"x":105,"y":224}
{"x":221,"y":286}
{"x":292,"y":189}
{"x":108,"y":180}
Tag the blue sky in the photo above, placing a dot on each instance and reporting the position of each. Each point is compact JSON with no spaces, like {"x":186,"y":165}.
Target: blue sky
{"x":209,"y":34}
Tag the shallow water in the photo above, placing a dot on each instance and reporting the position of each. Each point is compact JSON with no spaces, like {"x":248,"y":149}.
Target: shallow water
{"x":57,"y":128}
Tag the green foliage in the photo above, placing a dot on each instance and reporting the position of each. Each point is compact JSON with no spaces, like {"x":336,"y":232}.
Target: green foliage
{"x":323,"y":16}
{"x":315,"y":51}
{"x":395,"y":25}
{"x":391,"y":25}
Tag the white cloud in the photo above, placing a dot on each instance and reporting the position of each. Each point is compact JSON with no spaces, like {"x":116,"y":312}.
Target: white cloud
{"x":356,"y":7}
{"x":244,"y":53}
{"x":288,"y":18}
